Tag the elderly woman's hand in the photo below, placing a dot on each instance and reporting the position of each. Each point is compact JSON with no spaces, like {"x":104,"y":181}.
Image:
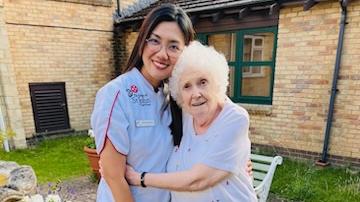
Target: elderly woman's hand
{"x":249,"y":168}
{"x":132,"y":176}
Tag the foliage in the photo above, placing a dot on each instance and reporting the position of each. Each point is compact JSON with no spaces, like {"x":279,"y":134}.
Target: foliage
{"x":93,"y":178}
{"x":90,"y":141}
{"x":55,"y":159}
{"x":303,"y":181}
{"x":7,"y":134}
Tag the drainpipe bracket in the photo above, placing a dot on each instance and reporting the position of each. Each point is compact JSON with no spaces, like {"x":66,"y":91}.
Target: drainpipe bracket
{"x":336,"y":90}
{"x":116,"y":18}
{"x":322,"y":163}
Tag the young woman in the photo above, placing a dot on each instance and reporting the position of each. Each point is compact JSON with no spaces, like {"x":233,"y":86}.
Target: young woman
{"x":131,"y":116}
{"x":209,"y":163}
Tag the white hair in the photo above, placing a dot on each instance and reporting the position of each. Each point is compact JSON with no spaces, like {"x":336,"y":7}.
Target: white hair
{"x":204,"y":58}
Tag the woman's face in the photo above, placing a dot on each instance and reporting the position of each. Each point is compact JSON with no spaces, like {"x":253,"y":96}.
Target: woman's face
{"x":161,"y":52}
{"x":198,"y":92}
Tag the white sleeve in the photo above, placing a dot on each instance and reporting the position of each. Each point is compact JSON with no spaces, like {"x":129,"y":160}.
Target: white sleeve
{"x":230,"y":150}
{"x":109,"y":120}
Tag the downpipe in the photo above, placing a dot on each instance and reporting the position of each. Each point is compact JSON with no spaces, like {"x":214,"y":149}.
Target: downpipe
{"x":324,"y":156}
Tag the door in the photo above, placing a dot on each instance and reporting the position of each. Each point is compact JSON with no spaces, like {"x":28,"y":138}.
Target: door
{"x":49,"y":106}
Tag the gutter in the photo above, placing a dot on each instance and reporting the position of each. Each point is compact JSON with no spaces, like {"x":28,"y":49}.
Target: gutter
{"x":324,"y":161}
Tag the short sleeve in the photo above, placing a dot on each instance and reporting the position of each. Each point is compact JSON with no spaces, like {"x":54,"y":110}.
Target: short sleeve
{"x":230,"y":149}
{"x":109,"y":120}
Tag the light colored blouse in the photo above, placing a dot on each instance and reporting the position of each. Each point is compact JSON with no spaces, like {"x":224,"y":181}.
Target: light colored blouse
{"x":224,"y":146}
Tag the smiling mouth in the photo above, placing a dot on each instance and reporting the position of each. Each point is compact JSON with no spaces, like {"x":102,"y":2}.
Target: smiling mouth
{"x":198,"y":104}
{"x":160,"y":65}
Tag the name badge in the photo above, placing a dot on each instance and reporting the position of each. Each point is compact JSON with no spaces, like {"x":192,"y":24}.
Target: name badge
{"x":144,"y":123}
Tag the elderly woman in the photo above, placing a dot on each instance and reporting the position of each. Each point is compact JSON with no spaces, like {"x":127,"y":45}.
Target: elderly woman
{"x":209,"y":163}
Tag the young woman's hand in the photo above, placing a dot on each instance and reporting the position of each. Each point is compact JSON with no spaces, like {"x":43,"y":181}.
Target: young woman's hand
{"x":132,"y":176}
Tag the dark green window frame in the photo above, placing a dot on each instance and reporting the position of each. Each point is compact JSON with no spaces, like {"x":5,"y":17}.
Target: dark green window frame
{"x":238,"y":64}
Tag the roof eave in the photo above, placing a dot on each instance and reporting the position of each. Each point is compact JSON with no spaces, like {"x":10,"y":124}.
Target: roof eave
{"x":229,"y":5}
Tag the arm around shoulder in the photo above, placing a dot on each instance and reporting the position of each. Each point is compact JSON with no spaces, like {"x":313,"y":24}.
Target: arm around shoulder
{"x":199,"y":177}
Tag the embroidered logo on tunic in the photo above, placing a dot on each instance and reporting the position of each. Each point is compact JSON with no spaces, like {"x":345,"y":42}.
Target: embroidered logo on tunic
{"x":135,"y":97}
{"x":134,"y":89}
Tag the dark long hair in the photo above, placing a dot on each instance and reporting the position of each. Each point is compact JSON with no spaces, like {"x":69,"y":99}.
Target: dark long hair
{"x":163,"y":13}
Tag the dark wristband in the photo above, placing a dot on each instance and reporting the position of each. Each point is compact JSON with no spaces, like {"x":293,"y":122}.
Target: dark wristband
{"x":142,"y":179}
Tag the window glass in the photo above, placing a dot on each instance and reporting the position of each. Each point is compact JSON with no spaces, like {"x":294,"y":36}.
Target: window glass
{"x":258,"y":85}
{"x":224,"y":43}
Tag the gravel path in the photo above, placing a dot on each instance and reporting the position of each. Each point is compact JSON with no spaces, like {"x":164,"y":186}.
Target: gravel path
{"x":75,"y":190}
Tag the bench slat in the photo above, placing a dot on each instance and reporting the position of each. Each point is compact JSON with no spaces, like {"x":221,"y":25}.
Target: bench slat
{"x":256,"y":157}
{"x":256,"y":183}
{"x":259,"y":175}
{"x":260,"y":166}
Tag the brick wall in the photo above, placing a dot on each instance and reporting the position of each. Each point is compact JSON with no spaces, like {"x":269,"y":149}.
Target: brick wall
{"x":125,"y":42}
{"x":346,"y":127}
{"x":306,"y":52}
{"x":10,"y":111}
{"x":341,"y":161}
{"x":61,"y":41}
{"x":89,"y":2}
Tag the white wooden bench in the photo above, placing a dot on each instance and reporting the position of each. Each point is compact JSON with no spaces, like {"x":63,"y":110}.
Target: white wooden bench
{"x":263,"y":171}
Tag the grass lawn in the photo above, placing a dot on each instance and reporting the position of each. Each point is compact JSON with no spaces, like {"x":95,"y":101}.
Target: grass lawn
{"x":55,"y":159}
{"x":302,"y":181}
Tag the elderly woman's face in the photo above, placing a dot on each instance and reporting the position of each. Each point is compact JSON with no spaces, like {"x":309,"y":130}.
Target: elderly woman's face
{"x":198,"y":92}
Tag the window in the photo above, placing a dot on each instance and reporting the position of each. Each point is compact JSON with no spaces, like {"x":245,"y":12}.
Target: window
{"x":251,"y":57}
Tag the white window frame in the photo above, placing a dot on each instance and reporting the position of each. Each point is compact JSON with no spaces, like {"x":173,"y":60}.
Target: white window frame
{"x":255,"y":47}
